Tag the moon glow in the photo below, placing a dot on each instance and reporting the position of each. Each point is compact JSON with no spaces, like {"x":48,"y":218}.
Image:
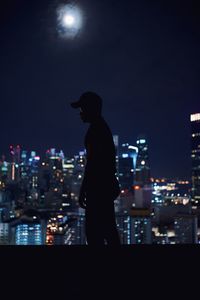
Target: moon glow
{"x":69,"y":20}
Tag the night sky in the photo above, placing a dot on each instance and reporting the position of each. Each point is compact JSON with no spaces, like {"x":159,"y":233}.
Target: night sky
{"x":142,"y":57}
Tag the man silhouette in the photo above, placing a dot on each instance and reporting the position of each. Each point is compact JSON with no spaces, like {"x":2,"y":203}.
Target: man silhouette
{"x":99,"y":187}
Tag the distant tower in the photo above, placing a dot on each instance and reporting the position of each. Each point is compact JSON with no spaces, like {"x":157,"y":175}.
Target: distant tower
{"x":186,"y":228}
{"x":142,"y":175}
{"x":116,"y":143}
{"x":126,"y":166}
{"x":195,"y":156}
{"x":15,"y":162}
{"x":141,"y":227}
{"x":34,"y":162}
{"x":142,"y":182}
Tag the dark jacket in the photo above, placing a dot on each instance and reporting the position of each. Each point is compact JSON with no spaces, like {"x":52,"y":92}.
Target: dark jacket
{"x":100,"y":167}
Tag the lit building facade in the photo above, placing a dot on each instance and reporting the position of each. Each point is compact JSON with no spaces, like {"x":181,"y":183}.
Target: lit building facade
{"x":141,"y":227}
{"x":15,"y":153}
{"x":124,"y":228}
{"x":28,"y":234}
{"x":4,"y":234}
{"x":142,"y":182}
{"x":127,"y":164}
{"x":77,"y":231}
{"x":4,"y":173}
{"x":186,"y":229}
{"x":142,"y":174}
{"x":116,"y":143}
{"x":195,"y":156}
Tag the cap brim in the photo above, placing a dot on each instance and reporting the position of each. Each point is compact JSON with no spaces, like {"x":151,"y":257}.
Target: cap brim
{"x":75,"y":104}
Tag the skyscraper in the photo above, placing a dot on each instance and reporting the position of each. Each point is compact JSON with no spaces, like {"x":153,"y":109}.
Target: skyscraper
{"x":186,"y":229}
{"x":123,"y":226}
{"x":141,"y":227}
{"x":195,"y":156}
{"x":142,"y":182}
{"x":15,"y":155}
{"x":4,"y":233}
{"x":142,"y":176}
{"x":116,"y":143}
{"x":127,"y":162}
{"x":4,"y":171}
{"x":28,"y":234}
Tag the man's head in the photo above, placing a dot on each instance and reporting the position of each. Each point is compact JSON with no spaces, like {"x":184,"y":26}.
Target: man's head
{"x":90,"y":105}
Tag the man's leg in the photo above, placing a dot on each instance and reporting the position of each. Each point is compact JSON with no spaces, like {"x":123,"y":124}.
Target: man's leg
{"x":93,"y":227}
{"x":110,"y":227}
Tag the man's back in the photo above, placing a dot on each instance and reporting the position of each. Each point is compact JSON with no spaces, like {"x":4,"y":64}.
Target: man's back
{"x":100,"y":149}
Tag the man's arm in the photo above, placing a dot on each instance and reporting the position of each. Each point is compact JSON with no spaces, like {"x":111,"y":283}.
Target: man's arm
{"x":87,"y":173}
{"x":82,"y":194}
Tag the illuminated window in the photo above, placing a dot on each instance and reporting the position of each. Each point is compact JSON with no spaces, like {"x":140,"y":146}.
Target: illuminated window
{"x":195,"y":117}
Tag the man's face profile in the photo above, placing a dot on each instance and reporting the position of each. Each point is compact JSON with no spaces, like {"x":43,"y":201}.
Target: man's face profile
{"x":84,"y":115}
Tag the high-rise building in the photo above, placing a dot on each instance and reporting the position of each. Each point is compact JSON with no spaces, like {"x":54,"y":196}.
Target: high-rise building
{"x":141,"y":228}
{"x":142,"y":182}
{"x":78,"y":172}
{"x":195,"y":156}
{"x":142,"y":174}
{"x":15,"y":162}
{"x":186,"y":228}
{"x":116,"y":143}
{"x":28,"y":234}
{"x":127,"y":164}
{"x":123,"y":226}
{"x":4,"y":172}
{"x":4,"y":234}
{"x":34,"y":162}
{"x":24,"y":169}
{"x":77,"y":230}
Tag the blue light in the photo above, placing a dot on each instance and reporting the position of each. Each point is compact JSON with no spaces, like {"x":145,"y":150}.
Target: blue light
{"x":142,"y":141}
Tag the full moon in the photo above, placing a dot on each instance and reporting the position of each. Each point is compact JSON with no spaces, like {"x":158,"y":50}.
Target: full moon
{"x":69,"y":19}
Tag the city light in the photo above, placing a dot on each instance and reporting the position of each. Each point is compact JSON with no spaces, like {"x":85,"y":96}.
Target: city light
{"x":195,"y":117}
{"x":142,"y":141}
{"x":133,"y":148}
{"x":137,"y":187}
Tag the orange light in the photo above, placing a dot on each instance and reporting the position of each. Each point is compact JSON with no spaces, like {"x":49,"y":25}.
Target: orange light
{"x":137,"y":187}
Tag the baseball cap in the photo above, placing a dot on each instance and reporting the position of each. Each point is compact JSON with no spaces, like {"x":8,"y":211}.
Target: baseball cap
{"x":88,"y":100}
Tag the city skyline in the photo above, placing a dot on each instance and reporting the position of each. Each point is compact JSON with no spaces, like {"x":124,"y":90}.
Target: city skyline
{"x":39,"y":199}
{"x":121,"y":143}
{"x":143,"y":59}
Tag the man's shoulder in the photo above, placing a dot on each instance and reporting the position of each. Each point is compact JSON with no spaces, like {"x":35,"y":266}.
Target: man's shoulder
{"x":98,"y":131}
{"x":104,"y":125}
